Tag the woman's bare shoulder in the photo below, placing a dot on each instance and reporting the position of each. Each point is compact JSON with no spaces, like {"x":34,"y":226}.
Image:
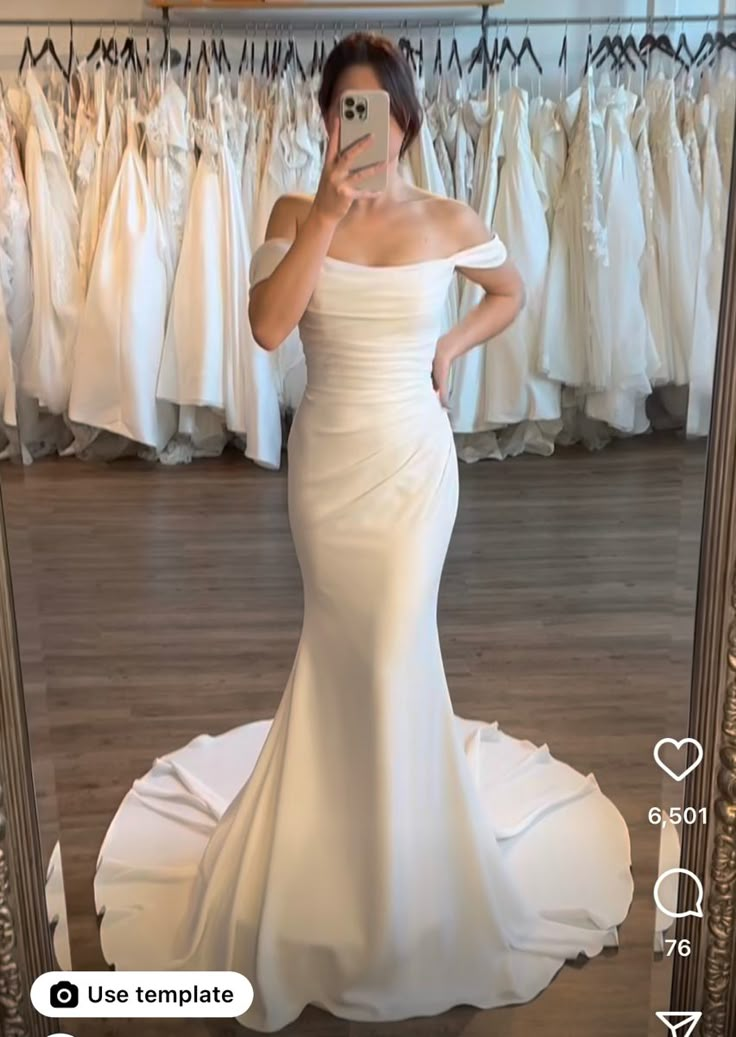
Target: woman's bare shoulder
{"x":458,"y":225}
{"x":288,"y":212}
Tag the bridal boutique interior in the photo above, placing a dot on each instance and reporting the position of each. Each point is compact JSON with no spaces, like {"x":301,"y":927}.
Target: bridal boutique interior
{"x":157,"y":592}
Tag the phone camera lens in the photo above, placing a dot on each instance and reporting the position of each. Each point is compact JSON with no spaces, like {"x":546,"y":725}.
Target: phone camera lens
{"x":349,"y":114}
{"x":360,"y":107}
{"x":349,"y":102}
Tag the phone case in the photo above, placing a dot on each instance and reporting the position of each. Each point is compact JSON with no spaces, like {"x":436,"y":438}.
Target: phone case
{"x":362,"y":112}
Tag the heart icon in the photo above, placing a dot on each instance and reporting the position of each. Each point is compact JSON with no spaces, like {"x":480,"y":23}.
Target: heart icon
{"x":678,"y":776}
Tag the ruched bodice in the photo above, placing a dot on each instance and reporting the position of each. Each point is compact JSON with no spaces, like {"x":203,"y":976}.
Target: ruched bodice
{"x":370,"y":332}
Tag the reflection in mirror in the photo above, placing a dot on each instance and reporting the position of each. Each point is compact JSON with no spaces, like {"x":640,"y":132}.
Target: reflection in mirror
{"x":488,"y":846}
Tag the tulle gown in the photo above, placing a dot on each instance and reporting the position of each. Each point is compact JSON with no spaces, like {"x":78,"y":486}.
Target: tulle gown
{"x":367,"y":850}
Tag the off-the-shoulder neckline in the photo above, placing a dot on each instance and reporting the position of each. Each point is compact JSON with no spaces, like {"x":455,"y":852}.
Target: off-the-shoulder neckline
{"x":397,"y":266}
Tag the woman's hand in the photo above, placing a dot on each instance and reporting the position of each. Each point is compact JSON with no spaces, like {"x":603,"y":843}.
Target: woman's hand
{"x":441,"y":366}
{"x":338,"y":187}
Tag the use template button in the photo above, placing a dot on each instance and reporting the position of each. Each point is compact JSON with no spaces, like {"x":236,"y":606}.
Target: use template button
{"x":170,"y":995}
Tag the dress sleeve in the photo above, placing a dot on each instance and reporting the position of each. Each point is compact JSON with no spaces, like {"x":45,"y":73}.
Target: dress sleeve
{"x":482,"y":257}
{"x":266,"y":258}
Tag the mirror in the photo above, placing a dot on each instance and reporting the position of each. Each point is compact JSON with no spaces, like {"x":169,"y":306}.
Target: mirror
{"x":249,"y":749}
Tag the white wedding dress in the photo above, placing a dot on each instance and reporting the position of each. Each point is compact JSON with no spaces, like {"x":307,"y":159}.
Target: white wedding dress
{"x":366,"y":850}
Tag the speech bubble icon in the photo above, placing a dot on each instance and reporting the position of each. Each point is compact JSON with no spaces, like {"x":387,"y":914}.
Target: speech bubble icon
{"x":696,"y":912}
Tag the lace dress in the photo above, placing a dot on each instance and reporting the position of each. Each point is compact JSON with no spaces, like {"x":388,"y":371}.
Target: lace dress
{"x":623,"y":364}
{"x":650,"y":287}
{"x":549,"y":144}
{"x":572,"y":344}
{"x":709,"y":276}
{"x":170,"y":166}
{"x":89,"y":177}
{"x":676,"y":227}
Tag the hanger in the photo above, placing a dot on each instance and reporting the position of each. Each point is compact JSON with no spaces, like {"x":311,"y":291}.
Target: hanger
{"x":481,"y":53}
{"x":49,"y":48}
{"x":129,"y":54}
{"x":26,"y":53}
{"x":111,"y":53}
{"x":604,"y":48}
{"x":526,"y":48}
{"x":166,"y":55}
{"x":562,"y":60}
{"x":265,"y":60}
{"x":222,"y":55}
{"x":188,"y":54}
{"x":72,"y":62}
{"x":506,"y":48}
{"x":203,"y":57}
{"x":455,"y":55}
{"x":682,"y":46}
{"x":631,"y":47}
{"x":589,"y":49}
{"x":292,"y":57}
{"x":662,"y":43}
{"x":98,"y":48}
{"x":437,"y":66}
{"x":243,"y":56}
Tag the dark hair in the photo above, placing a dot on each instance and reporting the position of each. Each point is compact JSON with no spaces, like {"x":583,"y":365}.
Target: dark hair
{"x":393,"y":72}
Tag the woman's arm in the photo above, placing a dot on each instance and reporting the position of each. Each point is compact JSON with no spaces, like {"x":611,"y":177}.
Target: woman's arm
{"x":503,"y":302}
{"x":277,"y":303}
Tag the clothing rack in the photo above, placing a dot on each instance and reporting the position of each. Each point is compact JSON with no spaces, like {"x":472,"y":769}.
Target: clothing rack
{"x":212,"y":9}
{"x":322,"y":9}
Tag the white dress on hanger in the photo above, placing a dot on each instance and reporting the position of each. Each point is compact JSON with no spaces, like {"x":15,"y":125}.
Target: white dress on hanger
{"x":435,"y":115}
{"x":48,"y":360}
{"x":367,"y":850}
{"x":676,"y":227}
{"x":512,"y":390}
{"x":170,"y":165}
{"x":427,"y":176}
{"x":192,"y":363}
{"x":572,"y":336}
{"x":650,"y":286}
{"x":709,"y":277}
{"x":689,"y":134}
{"x":467,"y":404}
{"x":29,"y":433}
{"x":621,"y":404}
{"x":112,"y":154}
{"x":118,"y":348}
{"x":16,"y":282}
{"x":89,"y":176}
{"x":210,"y":358}
{"x":724,"y":90}
{"x":296,"y":164}
{"x":549,"y":144}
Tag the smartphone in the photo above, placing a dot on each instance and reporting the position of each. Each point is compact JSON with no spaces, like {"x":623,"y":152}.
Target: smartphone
{"x":362,"y":112}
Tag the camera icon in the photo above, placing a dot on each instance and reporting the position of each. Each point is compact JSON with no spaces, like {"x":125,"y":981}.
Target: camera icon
{"x":64,"y":995}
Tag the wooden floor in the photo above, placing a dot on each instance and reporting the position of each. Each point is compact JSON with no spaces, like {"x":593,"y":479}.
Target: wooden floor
{"x":156,"y":604}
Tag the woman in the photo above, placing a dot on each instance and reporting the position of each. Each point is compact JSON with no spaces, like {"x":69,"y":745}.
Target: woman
{"x":383,"y":858}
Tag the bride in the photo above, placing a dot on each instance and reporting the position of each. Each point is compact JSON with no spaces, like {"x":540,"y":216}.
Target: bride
{"x":371,"y":852}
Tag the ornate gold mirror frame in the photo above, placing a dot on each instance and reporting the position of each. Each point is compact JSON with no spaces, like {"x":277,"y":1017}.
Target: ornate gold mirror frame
{"x":705,"y":981}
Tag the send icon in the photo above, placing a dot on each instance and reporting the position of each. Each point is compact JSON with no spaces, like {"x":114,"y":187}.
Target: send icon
{"x":680,"y":1024}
